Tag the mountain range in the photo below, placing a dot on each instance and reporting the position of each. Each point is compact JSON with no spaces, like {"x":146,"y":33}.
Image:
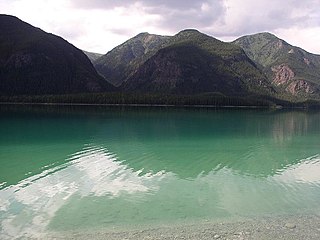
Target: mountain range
{"x":33,"y":62}
{"x":191,"y":62}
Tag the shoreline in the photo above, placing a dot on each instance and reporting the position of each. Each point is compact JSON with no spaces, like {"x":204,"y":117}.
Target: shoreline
{"x":278,"y":227}
{"x":151,"y":105}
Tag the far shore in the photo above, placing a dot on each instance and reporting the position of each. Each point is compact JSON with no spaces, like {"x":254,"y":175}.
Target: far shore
{"x":151,"y":105}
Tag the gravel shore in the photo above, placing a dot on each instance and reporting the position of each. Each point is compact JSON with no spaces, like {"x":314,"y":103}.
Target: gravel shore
{"x":284,"y":227}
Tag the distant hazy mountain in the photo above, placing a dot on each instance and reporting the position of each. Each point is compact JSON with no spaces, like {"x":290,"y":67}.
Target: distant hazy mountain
{"x":35,"y":62}
{"x":294,"y":72}
{"x":125,"y":59}
{"x":92,"y":56}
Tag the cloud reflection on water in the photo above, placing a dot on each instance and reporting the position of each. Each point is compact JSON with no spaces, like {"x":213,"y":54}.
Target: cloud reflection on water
{"x":28,"y":207}
{"x":167,"y":164}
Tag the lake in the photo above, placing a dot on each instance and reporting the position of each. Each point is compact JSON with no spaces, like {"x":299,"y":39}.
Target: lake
{"x":86,"y":168}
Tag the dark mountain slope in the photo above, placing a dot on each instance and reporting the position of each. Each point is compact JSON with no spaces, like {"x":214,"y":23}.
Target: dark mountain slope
{"x":294,"y":72}
{"x":35,"y":62}
{"x":123,"y":60}
{"x":183,"y":69}
{"x":192,"y":62}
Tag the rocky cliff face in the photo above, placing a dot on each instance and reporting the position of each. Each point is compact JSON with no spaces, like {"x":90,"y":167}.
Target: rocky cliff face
{"x":283,"y":74}
{"x":303,"y":87}
{"x":290,"y":69}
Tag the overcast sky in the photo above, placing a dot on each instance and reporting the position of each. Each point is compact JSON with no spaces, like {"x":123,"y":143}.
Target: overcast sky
{"x":100,"y":25}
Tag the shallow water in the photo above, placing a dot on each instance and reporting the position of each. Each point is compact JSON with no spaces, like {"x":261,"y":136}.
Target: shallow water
{"x":90,"y":168}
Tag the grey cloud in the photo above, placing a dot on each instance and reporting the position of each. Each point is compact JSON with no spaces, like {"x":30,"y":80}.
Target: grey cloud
{"x":99,"y":4}
{"x":174,"y":14}
{"x":187,"y":14}
{"x":122,"y":31}
{"x":266,"y":15}
{"x":178,"y":4}
{"x":277,"y":15}
{"x":109,"y":4}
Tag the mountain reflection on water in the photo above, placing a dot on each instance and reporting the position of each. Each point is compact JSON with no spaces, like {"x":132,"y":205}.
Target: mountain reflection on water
{"x":77,"y":168}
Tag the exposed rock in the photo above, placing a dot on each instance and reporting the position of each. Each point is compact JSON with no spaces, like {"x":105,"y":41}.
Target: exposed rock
{"x":283,"y":74}
{"x":284,"y":64}
{"x":301,"y":86}
{"x":306,"y":61}
{"x":279,"y":44}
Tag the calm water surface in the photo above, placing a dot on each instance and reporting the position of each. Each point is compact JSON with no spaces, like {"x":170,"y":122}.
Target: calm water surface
{"x":90,"y":168}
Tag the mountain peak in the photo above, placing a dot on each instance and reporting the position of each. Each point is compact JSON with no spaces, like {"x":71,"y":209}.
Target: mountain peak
{"x":35,"y":62}
{"x":115,"y":64}
{"x":189,"y":30}
{"x":289,"y":67}
{"x":9,"y":23}
{"x":5,"y":16}
{"x":188,"y":33}
{"x":266,"y":35}
{"x":142,"y":34}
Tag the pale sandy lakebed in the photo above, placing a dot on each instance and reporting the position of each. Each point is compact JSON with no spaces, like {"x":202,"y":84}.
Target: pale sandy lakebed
{"x":279,"y":227}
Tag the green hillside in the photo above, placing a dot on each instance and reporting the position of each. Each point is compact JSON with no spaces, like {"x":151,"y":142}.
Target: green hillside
{"x":192,"y":62}
{"x":294,"y":72}
{"x":123,"y":60}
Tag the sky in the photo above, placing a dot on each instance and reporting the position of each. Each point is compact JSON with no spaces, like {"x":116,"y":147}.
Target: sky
{"x":100,"y":25}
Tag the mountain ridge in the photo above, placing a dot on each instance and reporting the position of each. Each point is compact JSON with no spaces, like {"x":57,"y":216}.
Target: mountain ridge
{"x":222,"y":61}
{"x":35,"y":62}
{"x":118,"y":62}
{"x":291,"y":69}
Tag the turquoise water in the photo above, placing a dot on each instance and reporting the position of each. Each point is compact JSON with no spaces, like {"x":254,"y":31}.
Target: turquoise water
{"x":89,"y":168}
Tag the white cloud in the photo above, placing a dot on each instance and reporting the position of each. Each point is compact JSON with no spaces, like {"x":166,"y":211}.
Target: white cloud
{"x":306,"y":38}
{"x":297,"y":22}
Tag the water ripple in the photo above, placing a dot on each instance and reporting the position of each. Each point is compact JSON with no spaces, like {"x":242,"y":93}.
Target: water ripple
{"x":306,"y":171}
{"x":91,"y":171}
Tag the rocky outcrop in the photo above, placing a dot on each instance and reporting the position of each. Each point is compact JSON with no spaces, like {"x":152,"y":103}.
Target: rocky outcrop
{"x":306,"y":61}
{"x":283,"y":74}
{"x":279,"y":44}
{"x":293,"y":72}
{"x":302,"y":87}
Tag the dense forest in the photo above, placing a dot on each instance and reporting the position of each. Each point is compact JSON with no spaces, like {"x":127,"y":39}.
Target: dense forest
{"x":118,"y":98}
